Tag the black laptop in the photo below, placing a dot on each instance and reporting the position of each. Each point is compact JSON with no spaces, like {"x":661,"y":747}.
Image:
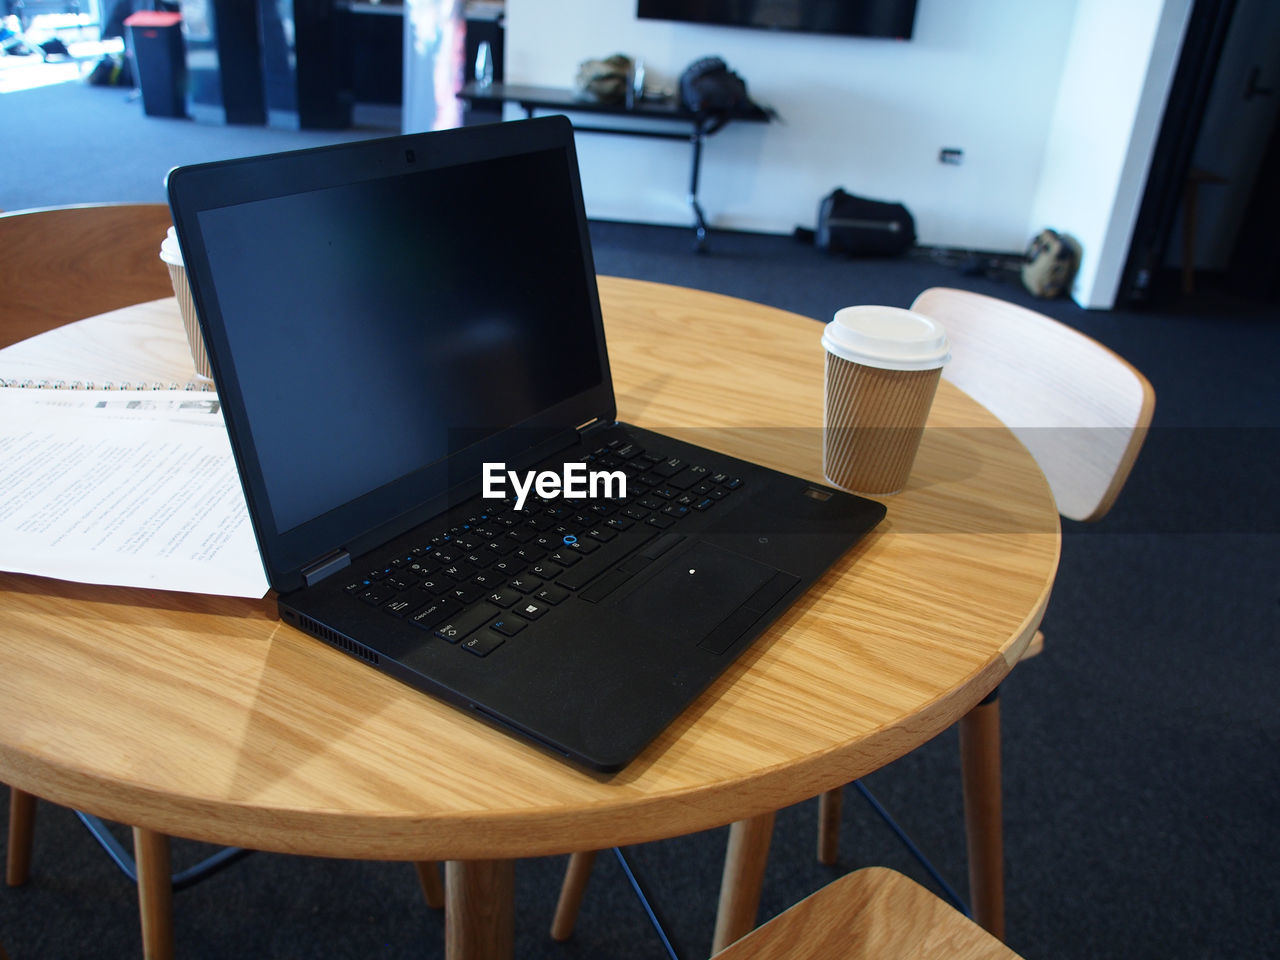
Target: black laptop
{"x":400,"y":326}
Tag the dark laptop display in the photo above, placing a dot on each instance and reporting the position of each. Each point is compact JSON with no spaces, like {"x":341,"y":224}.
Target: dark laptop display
{"x":384,"y":318}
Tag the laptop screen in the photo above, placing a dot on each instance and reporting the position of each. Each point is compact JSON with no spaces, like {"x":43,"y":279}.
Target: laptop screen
{"x":416,"y":314}
{"x":373,"y":310}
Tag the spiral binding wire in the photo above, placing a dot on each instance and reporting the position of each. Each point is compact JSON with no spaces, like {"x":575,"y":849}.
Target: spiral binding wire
{"x":105,"y":385}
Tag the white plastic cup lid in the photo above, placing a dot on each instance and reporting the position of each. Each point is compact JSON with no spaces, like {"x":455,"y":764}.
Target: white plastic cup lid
{"x":170,"y":252}
{"x":889,"y":338}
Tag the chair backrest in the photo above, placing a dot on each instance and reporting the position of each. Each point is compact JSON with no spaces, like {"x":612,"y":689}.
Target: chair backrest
{"x":61,"y":264}
{"x":1081,"y":410}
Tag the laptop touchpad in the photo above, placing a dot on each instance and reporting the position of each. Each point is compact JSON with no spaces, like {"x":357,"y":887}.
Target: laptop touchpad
{"x":695,"y":592}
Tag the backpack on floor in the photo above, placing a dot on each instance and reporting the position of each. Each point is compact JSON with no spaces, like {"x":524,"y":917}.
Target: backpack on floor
{"x":1050,"y":264}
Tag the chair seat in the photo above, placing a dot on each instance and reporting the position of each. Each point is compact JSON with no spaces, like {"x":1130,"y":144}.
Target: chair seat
{"x":871,"y":913}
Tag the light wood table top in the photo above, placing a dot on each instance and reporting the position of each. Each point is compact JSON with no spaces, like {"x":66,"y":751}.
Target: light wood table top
{"x":206,"y":717}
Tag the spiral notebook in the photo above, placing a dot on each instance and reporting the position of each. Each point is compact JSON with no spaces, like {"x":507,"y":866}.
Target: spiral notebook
{"x":132,"y":488}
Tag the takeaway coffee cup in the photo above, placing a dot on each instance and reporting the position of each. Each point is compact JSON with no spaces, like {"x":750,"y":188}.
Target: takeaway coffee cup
{"x":171,"y":254}
{"x":883,"y":366}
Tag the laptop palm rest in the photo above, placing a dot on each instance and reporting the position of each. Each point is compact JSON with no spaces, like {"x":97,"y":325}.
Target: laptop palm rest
{"x":705,"y":595}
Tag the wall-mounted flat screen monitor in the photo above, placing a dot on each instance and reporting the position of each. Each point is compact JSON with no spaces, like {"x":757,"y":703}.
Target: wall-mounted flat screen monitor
{"x":855,"y":18}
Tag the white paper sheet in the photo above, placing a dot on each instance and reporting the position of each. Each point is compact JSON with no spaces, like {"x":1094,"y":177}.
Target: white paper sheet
{"x":132,"y":488}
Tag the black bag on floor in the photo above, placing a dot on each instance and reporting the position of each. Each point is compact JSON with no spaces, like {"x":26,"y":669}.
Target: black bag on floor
{"x":856,"y":226}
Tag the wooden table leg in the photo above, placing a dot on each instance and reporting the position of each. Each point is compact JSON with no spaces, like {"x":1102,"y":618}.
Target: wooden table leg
{"x":983,"y":812}
{"x":22,"y":826}
{"x":744,"y":863}
{"x":479,"y":909}
{"x":155,"y":893}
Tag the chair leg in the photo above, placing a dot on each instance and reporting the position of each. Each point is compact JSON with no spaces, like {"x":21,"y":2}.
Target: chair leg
{"x":744,"y":863}
{"x":432,"y":885}
{"x":830,"y":805}
{"x":571,"y":892}
{"x":22,"y":828}
{"x":155,"y":893}
{"x":980,"y":771}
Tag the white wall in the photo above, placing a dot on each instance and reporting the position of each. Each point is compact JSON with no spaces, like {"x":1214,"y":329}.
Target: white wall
{"x":869,"y":115}
{"x":1115,"y":82}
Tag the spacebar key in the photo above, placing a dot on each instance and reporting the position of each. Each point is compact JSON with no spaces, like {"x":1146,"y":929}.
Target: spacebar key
{"x":594,"y":564}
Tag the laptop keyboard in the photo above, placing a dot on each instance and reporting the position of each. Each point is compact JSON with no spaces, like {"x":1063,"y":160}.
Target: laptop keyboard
{"x":480,"y":582}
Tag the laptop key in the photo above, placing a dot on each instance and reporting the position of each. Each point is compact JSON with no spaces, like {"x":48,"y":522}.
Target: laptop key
{"x":527,"y":583}
{"x":377,"y":595}
{"x":669,"y":467}
{"x":481,"y":557}
{"x":459,"y":571}
{"x":582,"y":545}
{"x":401,"y":605}
{"x":483,"y":643}
{"x":436,"y":612}
{"x":467,"y":593}
{"x":467,"y":622}
{"x":504,"y":597}
{"x":531,"y":609}
{"x":687,"y":477}
{"x":508,"y":626}
{"x":551,"y":594}
{"x":507,"y":568}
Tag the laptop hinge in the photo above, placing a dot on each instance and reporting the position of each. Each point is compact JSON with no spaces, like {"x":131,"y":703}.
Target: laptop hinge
{"x":592,"y":427}
{"x":313,"y":573}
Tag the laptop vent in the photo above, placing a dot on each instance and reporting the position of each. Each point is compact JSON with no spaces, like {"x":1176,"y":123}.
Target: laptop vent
{"x":337,"y":640}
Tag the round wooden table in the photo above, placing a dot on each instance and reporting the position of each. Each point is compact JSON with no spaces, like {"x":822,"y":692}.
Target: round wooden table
{"x":206,"y":717}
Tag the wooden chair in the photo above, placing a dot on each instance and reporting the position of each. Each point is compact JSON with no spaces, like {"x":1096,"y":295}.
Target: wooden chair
{"x":870,"y":914}
{"x":105,"y":256}
{"x":1082,"y":412}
